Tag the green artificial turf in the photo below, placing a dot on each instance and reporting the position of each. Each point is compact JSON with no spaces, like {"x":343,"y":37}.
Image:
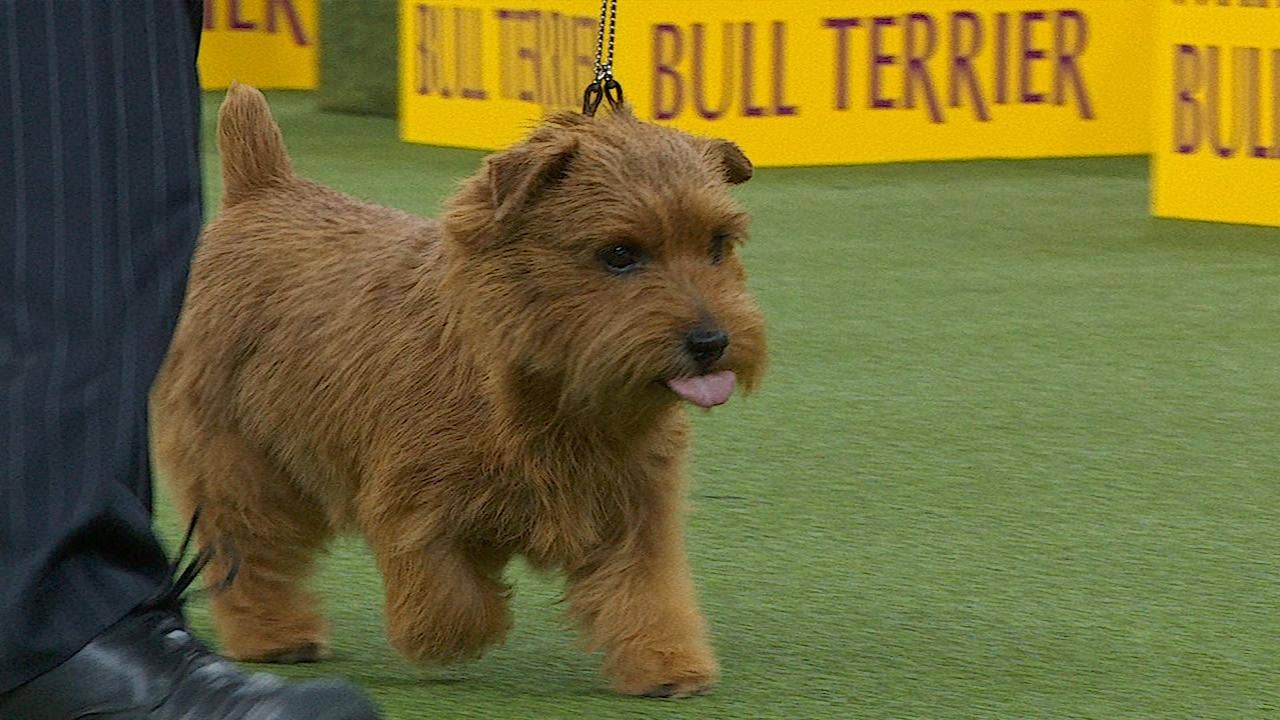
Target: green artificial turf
{"x":1015,"y":457}
{"x":358,"y":66}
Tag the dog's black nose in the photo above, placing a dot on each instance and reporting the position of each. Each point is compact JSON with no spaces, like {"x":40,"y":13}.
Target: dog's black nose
{"x":706,"y":344}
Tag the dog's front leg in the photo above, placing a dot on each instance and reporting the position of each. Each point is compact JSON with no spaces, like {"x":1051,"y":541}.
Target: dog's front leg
{"x":637,"y":604}
{"x":443,"y":603}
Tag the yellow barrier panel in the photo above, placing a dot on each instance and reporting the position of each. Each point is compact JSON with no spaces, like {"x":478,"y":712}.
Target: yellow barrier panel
{"x":268,"y":43}
{"x":1218,"y":112}
{"x":797,"y":83}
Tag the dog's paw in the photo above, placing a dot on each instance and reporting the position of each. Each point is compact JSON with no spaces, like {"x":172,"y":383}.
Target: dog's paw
{"x":305,"y":653}
{"x":678,"y":690}
{"x":308,"y":652}
{"x":675,"y":688}
{"x":663,"y":675}
{"x":450,"y":643}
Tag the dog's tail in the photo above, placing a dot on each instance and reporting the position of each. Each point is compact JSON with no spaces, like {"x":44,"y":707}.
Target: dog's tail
{"x":253,"y":153}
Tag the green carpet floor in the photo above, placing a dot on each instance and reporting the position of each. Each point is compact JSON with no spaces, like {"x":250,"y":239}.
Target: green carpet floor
{"x":1016,"y":457}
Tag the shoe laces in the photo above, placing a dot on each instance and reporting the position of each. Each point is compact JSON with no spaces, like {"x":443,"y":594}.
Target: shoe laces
{"x":179,"y":589}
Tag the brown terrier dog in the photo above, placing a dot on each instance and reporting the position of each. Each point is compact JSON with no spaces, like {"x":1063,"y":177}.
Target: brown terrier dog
{"x":504,"y":381}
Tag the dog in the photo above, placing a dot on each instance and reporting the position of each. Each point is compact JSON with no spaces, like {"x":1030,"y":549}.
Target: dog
{"x":509,"y":379}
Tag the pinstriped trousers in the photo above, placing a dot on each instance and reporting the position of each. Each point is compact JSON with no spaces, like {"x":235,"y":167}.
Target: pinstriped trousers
{"x":100,"y":208}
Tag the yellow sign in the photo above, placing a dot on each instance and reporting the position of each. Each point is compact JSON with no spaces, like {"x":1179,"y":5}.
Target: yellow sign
{"x":823,"y":82}
{"x":1218,"y":112}
{"x":267,"y":43}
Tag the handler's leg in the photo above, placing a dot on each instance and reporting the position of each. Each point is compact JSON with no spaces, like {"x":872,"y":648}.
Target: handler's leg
{"x":99,"y":212}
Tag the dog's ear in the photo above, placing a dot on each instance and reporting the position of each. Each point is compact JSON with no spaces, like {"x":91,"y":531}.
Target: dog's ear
{"x":517,"y":176}
{"x":733,"y":163}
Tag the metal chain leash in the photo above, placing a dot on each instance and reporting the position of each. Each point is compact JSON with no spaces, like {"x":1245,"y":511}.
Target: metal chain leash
{"x":604,"y":87}
{"x":610,"y":13}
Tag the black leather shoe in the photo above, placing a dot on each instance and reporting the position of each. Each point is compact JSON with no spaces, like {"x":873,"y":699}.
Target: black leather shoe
{"x":148,"y":667}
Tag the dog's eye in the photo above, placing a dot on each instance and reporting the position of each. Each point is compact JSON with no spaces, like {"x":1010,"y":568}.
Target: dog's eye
{"x":719,"y":243}
{"x":621,"y":258}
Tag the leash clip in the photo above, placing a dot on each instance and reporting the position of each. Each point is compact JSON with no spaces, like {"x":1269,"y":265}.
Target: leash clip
{"x":605,"y":88}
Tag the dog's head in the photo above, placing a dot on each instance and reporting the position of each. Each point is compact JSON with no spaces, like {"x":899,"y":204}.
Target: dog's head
{"x":601,"y":258}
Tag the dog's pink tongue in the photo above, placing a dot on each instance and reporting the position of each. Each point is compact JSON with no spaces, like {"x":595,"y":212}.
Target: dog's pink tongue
{"x":705,"y":390}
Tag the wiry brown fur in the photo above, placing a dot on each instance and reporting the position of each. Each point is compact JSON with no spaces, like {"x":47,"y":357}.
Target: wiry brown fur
{"x":458,"y":391}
